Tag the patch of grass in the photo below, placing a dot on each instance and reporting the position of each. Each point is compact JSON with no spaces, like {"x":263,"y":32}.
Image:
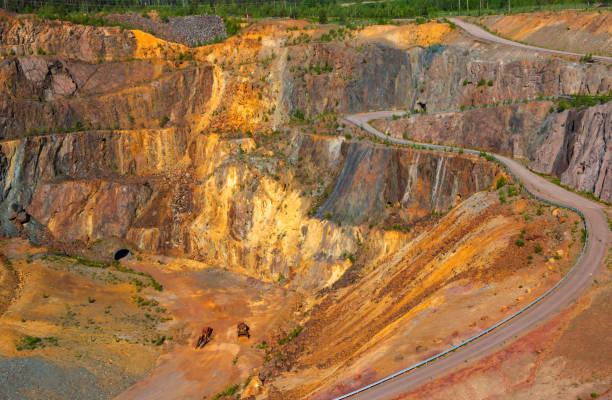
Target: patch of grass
{"x":246,"y":382}
{"x":228,"y":392}
{"x":28,"y":342}
{"x":292,"y":335}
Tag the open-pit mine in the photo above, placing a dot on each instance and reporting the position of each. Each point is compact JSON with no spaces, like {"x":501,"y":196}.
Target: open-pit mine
{"x":301,"y":210}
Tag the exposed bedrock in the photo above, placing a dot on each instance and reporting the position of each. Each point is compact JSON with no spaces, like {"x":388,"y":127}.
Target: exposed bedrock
{"x":418,"y":182}
{"x":505,"y":129}
{"x":79,"y":42}
{"x":441,"y":77}
{"x":52,"y":95}
{"x":221,"y":200}
{"x":576,"y":146}
{"x":573,"y":145}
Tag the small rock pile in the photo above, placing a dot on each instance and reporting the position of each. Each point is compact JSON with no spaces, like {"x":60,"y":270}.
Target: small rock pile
{"x":198,"y":29}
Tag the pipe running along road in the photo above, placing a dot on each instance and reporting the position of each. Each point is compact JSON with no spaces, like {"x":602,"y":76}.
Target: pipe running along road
{"x":556,"y":299}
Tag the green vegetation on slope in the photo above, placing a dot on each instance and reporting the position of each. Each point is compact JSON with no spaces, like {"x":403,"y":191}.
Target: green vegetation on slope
{"x":86,"y":11}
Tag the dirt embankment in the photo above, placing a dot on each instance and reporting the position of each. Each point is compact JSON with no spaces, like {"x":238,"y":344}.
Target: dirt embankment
{"x":575,"y":31}
{"x":566,"y":358}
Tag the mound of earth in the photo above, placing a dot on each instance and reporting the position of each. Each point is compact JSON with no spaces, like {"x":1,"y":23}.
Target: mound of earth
{"x":191,"y":30}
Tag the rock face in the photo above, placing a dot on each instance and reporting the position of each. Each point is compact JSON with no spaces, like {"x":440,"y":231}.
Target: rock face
{"x":577,"y":147}
{"x":571,"y":145}
{"x":48,"y":94}
{"x":505,"y":129}
{"x":79,"y":42}
{"x":440,"y":77}
{"x":417,"y":182}
{"x":198,"y":196}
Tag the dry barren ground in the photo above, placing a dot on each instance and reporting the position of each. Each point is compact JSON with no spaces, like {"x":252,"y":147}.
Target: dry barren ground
{"x":570,"y":30}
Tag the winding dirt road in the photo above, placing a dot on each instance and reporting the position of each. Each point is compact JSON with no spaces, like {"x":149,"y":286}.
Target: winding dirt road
{"x":480,"y":33}
{"x":557,"y":300}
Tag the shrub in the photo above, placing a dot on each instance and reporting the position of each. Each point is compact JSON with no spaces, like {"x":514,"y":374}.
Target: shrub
{"x":490,"y":83}
{"x":298,"y":115}
{"x":501,"y":182}
{"x":232,"y":26}
{"x":164,"y":121}
{"x":322,"y":16}
{"x":512,"y":191}
{"x":482,"y":82}
{"x":538,"y":248}
{"x":29,"y":343}
{"x":520,"y":242}
{"x":292,"y":335}
{"x":228,"y":392}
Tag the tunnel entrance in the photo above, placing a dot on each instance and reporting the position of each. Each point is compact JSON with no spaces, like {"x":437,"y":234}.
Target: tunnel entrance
{"x":121,"y":253}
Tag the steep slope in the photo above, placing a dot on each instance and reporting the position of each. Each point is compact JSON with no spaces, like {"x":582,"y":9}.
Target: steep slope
{"x":212,"y":199}
{"x":576,"y":147}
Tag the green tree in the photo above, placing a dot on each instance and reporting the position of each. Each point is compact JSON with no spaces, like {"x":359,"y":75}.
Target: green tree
{"x":322,"y":16}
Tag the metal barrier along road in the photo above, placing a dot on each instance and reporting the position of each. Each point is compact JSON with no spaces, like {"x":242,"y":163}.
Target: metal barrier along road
{"x":505,"y":320}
